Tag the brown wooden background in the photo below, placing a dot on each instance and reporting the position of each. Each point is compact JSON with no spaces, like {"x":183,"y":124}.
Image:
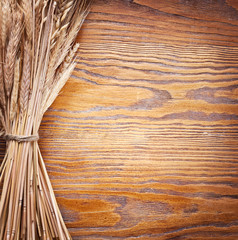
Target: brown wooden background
{"x":142,"y":142}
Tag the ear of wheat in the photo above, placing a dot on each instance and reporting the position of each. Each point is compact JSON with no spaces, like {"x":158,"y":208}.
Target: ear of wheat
{"x":37,"y":53}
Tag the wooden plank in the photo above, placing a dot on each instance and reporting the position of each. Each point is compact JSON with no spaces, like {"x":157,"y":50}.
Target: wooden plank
{"x":142,"y":142}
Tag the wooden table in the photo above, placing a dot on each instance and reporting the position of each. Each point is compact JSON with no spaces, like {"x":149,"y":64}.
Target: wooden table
{"x":142,"y":142}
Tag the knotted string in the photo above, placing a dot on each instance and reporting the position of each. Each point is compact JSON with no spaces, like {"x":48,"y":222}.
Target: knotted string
{"x":19,"y":138}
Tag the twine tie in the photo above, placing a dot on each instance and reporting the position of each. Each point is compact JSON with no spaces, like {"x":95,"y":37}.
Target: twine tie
{"x":20,"y":138}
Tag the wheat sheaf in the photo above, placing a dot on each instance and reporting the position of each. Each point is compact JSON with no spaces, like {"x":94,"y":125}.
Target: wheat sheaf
{"x":37,"y":53}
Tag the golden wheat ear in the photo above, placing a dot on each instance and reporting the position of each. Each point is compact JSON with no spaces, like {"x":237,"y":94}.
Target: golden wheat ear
{"x":37,"y":54}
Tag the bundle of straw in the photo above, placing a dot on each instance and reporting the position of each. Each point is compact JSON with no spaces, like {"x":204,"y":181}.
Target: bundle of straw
{"x":37,"y":55}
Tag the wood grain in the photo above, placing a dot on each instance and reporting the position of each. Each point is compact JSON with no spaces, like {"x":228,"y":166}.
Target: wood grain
{"x":142,"y":142}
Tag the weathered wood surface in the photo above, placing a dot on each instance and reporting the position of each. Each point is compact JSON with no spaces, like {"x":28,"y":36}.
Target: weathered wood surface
{"x":142,"y":142}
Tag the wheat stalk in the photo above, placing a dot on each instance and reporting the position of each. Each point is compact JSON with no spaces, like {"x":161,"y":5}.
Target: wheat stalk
{"x":2,"y":92}
{"x":26,"y":77}
{"x":5,"y":21}
{"x":36,"y":59}
{"x":11,"y":50}
{"x":15,"y":89}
